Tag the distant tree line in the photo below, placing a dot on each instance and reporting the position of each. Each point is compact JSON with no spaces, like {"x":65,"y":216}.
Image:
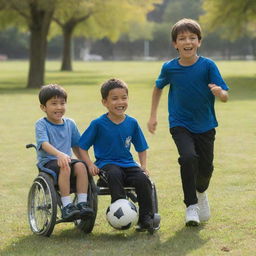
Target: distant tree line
{"x":114,"y":30}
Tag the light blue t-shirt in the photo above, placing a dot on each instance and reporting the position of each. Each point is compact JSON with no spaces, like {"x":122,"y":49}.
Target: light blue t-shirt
{"x":190,"y":101}
{"x":112,"y":142}
{"x":62,"y":136}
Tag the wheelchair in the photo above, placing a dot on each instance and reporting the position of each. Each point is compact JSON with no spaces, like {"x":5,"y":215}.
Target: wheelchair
{"x":44,"y":202}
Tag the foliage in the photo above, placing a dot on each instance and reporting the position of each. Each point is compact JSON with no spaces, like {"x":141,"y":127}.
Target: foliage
{"x":178,"y":9}
{"x":234,"y":19}
{"x":96,"y":19}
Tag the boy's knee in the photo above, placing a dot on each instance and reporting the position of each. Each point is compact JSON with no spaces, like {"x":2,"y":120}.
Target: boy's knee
{"x":188,"y":159}
{"x":65,"y":171}
{"x":80,"y":169}
{"x":142,"y":180}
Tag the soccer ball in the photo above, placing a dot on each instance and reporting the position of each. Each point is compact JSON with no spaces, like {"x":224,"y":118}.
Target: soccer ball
{"x":122,"y":214}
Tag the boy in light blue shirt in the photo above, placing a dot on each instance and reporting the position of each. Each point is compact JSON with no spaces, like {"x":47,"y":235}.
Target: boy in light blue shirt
{"x":56,"y":135}
{"x":111,"y":136}
{"x":195,"y":82}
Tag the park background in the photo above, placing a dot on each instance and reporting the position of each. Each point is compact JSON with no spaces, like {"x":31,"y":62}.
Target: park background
{"x":129,"y":40}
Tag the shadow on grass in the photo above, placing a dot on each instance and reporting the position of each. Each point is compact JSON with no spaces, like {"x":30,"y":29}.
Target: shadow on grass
{"x":184,"y":241}
{"x":242,"y":88}
{"x":74,"y":242}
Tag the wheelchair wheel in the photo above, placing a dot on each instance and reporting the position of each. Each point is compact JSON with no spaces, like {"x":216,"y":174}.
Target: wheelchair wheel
{"x":87,"y":224}
{"x":42,"y":205}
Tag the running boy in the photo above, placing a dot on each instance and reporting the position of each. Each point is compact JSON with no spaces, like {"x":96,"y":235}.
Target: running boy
{"x":111,"y":135}
{"x":194,"y":81}
{"x":55,"y":136}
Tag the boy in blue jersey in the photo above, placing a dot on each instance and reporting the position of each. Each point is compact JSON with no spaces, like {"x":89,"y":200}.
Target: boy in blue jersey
{"x":111,"y":136}
{"x":55,"y":136}
{"x":194,"y":82}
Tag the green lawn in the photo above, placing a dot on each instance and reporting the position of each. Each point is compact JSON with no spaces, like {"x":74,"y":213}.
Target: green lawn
{"x":232,"y":194}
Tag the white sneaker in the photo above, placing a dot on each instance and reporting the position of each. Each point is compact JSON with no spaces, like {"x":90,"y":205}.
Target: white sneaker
{"x":192,"y":217}
{"x":204,"y":208}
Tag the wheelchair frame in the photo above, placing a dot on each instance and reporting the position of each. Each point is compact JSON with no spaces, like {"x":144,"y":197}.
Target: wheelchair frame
{"x":44,"y":204}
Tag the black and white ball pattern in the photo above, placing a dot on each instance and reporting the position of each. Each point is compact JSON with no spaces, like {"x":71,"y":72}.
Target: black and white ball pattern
{"x":122,"y":214}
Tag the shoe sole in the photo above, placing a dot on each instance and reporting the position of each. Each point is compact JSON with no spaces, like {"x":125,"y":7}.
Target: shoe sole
{"x":150,"y":230}
{"x":72,"y":217}
{"x":192,"y":223}
{"x":86,"y":215}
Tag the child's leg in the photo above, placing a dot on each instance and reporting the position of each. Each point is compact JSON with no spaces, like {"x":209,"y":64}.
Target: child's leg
{"x":64,"y":181}
{"x":136,"y":178}
{"x":69,"y":211}
{"x":205,"y":148}
{"x":115,"y":176}
{"x":80,"y":172}
{"x":63,"y":177}
{"x":188,"y":161}
{"x":81,"y":178}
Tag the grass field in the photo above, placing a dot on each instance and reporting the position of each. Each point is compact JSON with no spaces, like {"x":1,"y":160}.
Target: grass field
{"x":232,"y":194}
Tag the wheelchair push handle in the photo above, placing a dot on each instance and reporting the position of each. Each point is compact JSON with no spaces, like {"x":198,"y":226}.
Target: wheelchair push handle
{"x":31,"y":145}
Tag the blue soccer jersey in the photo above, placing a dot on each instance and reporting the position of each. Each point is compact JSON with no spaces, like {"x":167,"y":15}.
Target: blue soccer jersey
{"x":190,"y":101}
{"x":112,"y":142}
{"x":62,"y":136}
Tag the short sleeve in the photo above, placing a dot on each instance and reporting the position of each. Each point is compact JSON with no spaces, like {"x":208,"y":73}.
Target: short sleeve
{"x":88,"y":137}
{"x":162,"y":79}
{"x":138,"y":139}
{"x":215,"y":76}
{"x":41,"y":133}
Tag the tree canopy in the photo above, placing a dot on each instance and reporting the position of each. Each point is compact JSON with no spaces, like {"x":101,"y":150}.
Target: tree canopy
{"x":232,"y":19}
{"x":103,"y":19}
{"x":97,"y":19}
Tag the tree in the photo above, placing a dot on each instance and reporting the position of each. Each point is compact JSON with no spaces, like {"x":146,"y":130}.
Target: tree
{"x":96,"y":19}
{"x":231,"y":19}
{"x":36,"y":16}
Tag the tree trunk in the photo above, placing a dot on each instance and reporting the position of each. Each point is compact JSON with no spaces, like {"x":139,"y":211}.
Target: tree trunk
{"x":67,"y":47}
{"x":39,"y":28}
{"x":253,"y":45}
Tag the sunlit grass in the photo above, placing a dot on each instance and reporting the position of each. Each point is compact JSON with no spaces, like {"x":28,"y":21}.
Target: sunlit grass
{"x":232,"y":192}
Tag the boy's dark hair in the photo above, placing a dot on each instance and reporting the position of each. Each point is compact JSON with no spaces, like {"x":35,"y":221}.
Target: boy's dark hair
{"x":111,"y":84}
{"x":184,"y":25}
{"x":50,"y":91}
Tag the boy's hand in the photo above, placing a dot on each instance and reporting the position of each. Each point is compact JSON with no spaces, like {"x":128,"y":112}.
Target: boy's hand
{"x":93,"y":169}
{"x":145,"y":170}
{"x":215,"y":89}
{"x":152,"y":123}
{"x":63,"y":160}
{"x":218,"y":92}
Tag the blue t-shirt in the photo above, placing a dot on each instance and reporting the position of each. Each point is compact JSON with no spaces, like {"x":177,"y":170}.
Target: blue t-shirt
{"x":62,"y":136}
{"x":112,"y":142}
{"x":190,"y":101}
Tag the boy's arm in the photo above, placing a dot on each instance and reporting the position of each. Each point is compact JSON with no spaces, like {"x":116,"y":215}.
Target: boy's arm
{"x":76,"y":152}
{"x":143,"y":161}
{"x":152,"y":123}
{"x":84,"y":155}
{"x":217,"y":91}
{"x":62,"y":158}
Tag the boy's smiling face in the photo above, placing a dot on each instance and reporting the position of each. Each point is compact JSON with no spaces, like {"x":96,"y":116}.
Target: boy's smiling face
{"x":116,"y":103}
{"x":187,"y":44}
{"x":55,"y":109}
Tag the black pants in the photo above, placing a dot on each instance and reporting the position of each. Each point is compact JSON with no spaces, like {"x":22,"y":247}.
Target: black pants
{"x":196,"y":160}
{"x":118,"y":177}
